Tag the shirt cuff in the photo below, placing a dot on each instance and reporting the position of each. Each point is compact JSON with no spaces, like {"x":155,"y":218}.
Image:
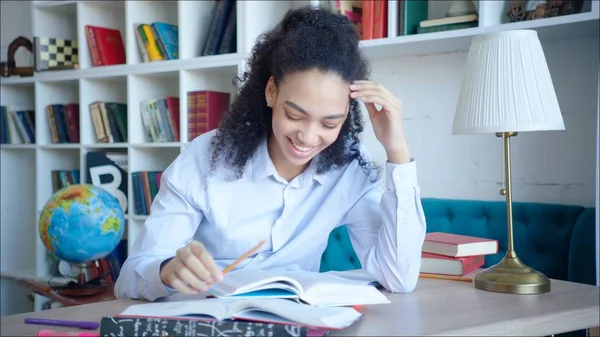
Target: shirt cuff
{"x":153,"y":281}
{"x":401,"y":176}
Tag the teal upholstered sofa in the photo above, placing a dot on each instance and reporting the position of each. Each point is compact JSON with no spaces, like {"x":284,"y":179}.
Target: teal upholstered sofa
{"x":558,"y":240}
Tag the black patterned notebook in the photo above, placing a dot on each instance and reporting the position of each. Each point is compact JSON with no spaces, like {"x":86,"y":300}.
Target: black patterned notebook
{"x":120,"y":326}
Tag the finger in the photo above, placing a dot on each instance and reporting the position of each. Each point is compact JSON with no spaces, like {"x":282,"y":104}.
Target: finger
{"x":207,"y":261}
{"x":377,"y":98}
{"x":188,"y":259}
{"x":178,"y":284}
{"x":372,"y":109}
{"x":190,"y":279}
{"x":368,"y":85}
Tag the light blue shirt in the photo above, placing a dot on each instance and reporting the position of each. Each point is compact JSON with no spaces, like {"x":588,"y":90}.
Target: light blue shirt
{"x":386,"y":223}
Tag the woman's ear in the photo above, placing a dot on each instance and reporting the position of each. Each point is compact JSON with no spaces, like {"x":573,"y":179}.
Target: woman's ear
{"x":270,"y":92}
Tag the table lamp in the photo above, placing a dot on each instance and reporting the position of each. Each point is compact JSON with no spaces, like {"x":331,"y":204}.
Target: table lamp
{"x":507,"y":89}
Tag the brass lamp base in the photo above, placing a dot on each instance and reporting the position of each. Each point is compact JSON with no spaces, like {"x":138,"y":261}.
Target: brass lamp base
{"x":512,"y":276}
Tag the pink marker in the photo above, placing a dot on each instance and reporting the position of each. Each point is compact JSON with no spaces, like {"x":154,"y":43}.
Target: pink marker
{"x":54,"y":333}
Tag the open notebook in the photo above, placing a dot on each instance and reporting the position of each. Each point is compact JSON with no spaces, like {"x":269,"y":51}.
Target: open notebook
{"x":317,"y":289}
{"x":269,"y":310}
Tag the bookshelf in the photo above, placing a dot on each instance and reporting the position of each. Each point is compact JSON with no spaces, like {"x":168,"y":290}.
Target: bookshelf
{"x":26,"y":167}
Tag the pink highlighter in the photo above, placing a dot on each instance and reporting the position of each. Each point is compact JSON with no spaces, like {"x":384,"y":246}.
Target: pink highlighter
{"x":54,"y":333}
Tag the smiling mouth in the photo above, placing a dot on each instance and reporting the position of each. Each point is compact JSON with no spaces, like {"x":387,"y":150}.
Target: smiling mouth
{"x":301,"y":148}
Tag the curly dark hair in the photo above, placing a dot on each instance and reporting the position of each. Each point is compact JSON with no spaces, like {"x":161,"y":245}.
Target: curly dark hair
{"x":307,"y":38}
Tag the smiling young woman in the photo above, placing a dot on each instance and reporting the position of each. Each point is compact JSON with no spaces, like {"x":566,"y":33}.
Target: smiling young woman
{"x":286,"y":166}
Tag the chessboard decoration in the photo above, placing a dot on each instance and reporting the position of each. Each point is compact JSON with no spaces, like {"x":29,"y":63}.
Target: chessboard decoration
{"x":9,"y":68}
{"x":55,"y":53}
{"x":522,"y":10}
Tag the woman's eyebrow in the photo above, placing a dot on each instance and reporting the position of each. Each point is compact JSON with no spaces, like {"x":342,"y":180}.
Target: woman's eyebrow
{"x":301,"y":110}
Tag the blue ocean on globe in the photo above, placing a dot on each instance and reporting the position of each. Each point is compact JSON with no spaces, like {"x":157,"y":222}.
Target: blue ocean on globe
{"x":81,"y":223}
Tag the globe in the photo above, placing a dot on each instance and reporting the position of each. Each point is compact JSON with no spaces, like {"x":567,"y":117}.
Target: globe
{"x":81,"y":223}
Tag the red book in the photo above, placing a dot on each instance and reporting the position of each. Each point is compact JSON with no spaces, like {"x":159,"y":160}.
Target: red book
{"x":456,"y":245}
{"x":205,"y":110}
{"x":446,"y":265}
{"x":367,"y":19}
{"x":379,"y":19}
{"x":106,"y":45}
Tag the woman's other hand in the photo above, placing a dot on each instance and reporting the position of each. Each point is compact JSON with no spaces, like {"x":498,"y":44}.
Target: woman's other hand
{"x":387,"y":121}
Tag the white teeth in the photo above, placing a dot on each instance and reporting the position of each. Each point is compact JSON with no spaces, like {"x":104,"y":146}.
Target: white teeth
{"x":302,"y":148}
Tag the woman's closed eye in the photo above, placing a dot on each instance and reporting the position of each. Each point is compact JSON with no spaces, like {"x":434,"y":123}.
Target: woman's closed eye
{"x":294,"y":118}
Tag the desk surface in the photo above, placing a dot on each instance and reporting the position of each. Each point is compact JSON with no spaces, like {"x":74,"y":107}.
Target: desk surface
{"x":436,"y":307}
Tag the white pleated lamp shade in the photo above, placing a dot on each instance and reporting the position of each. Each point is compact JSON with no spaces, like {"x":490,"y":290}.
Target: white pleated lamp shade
{"x":507,"y":86}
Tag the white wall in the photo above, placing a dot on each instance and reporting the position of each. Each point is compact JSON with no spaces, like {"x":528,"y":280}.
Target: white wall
{"x":555,"y":166}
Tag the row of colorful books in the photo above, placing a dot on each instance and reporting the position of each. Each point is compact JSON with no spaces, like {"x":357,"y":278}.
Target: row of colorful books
{"x":63,"y":120}
{"x":160,"y":117}
{"x":109,"y":120}
{"x":157,"y":41}
{"x":17,"y":126}
{"x":145,"y":188}
{"x":221,"y":37}
{"x":454,"y":254}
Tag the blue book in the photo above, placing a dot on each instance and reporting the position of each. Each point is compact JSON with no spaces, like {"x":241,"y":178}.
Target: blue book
{"x":167,"y":36}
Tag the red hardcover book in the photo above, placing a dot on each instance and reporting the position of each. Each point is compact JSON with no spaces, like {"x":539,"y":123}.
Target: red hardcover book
{"x":367,"y":19}
{"x":205,"y":110}
{"x":72,"y":118}
{"x":446,"y":265}
{"x":173,"y":108}
{"x":106,"y":45}
{"x":379,"y":19}
{"x":456,"y":245}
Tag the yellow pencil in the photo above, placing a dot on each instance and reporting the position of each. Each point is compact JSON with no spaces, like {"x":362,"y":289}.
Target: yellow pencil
{"x":243,"y":257}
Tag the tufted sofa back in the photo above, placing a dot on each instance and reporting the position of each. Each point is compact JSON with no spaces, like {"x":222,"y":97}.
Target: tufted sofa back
{"x":543,"y":235}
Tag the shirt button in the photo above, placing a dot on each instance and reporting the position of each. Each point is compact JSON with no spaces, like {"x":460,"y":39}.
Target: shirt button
{"x":262,"y":258}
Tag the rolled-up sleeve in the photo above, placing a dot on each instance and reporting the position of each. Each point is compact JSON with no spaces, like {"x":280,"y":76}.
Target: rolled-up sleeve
{"x":387,"y":228}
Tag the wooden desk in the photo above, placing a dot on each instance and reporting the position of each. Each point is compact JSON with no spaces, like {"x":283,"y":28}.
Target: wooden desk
{"x":436,"y":307}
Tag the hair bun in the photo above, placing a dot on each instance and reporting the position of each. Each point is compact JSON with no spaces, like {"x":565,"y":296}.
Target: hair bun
{"x":313,"y":17}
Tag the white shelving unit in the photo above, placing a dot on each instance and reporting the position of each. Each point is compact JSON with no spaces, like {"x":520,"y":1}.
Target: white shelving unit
{"x":26,"y":180}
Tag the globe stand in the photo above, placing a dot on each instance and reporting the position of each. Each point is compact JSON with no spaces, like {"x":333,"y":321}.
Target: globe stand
{"x":84,"y":286}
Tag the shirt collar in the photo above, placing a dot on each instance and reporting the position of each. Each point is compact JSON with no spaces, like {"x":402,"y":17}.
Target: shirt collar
{"x":262,"y":167}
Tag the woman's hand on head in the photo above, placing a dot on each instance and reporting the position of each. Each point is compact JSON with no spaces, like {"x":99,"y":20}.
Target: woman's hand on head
{"x":387,"y":121}
{"x":192,"y":270}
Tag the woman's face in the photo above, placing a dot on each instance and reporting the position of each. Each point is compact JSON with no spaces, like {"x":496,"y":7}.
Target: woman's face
{"x":309,"y":109}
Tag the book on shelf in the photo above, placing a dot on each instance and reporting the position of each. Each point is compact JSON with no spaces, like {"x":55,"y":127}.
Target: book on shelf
{"x":265,"y":310}
{"x":457,"y":245}
{"x":221,"y":37}
{"x":205,"y":110}
{"x":449,"y":26}
{"x":17,"y":126}
{"x":313,"y":288}
{"x":64,"y":178}
{"x":374,"y":19}
{"x":106,"y":45}
{"x":109,"y":120}
{"x":160,"y":118}
{"x":145,"y":186}
{"x":183,"y":326}
{"x":157,"y":41}
{"x":63,"y":120}
{"x":410,"y":15}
